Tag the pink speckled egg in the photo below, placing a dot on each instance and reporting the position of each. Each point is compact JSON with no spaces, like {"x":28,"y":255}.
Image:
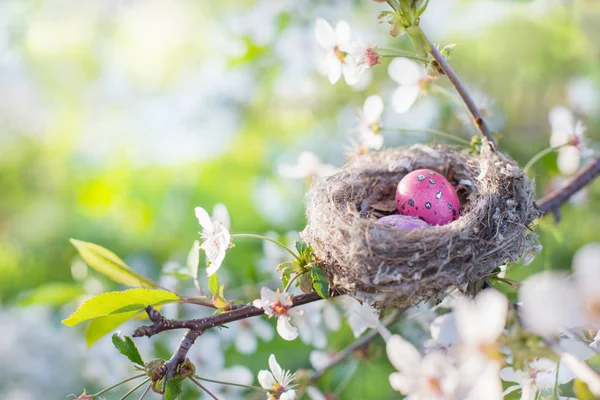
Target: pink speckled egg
{"x":402,"y":222}
{"x":428,"y":195}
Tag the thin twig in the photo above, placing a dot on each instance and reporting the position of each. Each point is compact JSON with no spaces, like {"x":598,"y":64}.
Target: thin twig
{"x":145,"y":391}
{"x":359,"y":344}
{"x":202,"y":324}
{"x":462,"y":91}
{"x":554,"y":200}
{"x":126,"y":395}
{"x":201,"y":386}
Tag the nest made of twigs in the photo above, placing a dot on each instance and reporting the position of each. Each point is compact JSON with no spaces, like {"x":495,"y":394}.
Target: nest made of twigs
{"x":402,"y":267}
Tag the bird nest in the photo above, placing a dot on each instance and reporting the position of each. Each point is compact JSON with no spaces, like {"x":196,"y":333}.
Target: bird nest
{"x":401,"y":267}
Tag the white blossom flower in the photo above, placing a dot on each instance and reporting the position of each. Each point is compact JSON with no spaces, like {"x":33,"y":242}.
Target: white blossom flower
{"x":314,"y":393}
{"x":216,"y":240}
{"x":365,"y":55}
{"x":245,"y":334}
{"x":479,"y":323}
{"x":311,"y":328}
{"x":278,"y":381}
{"x":541,"y":375}
{"x":583,"y":95}
{"x":307,"y":167}
{"x":361,"y":316}
{"x":567,"y":131}
{"x":369,"y":123}
{"x":443,"y":334}
{"x":419,"y":378}
{"x":411,"y":77}
{"x":280,"y":305}
{"x":336,"y":43}
{"x":319,"y":359}
{"x":574,"y":302}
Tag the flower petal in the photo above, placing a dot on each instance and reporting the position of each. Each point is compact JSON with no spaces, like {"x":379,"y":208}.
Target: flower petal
{"x":314,"y":393}
{"x":288,"y":395}
{"x":402,"y":354}
{"x":351,"y":71}
{"x":372,"y":109}
{"x":221,"y":214}
{"x":404,"y":71}
{"x":404,"y":97}
{"x":266,"y":380}
{"x":334,"y":69}
{"x":342,"y":33}
{"x":324,"y":34}
{"x":285,"y":329}
{"x":568,"y":160}
{"x":402,"y":383}
{"x":204,"y":219}
{"x":275,"y":368}
{"x":481,"y":321}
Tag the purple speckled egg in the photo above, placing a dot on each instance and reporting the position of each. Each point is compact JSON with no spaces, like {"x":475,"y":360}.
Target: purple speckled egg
{"x":428,"y":195}
{"x":402,"y":222}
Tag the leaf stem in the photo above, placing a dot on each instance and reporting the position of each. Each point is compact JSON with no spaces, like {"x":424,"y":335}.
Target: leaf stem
{"x":201,"y":386}
{"x":117,"y":385}
{"x":432,"y":132}
{"x":541,"y":154}
{"x":416,"y":58}
{"x":289,"y":284}
{"x":231,"y":384}
{"x":268,"y":239}
{"x":126,"y":395}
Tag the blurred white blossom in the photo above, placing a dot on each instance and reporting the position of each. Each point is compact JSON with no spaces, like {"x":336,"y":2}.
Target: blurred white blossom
{"x":541,"y":375}
{"x":280,"y":305}
{"x":410,"y":76}
{"x":583,"y":95}
{"x":369,"y":123}
{"x":245,"y":334}
{"x":216,"y":237}
{"x":278,"y":381}
{"x":308,"y":166}
{"x":421,"y":378}
{"x":336,"y":43}
{"x":361,"y":316}
{"x":237,"y":374}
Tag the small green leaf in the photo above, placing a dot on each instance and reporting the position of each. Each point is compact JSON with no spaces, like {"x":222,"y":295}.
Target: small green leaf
{"x":193,"y":259}
{"x":52,"y":294}
{"x":213,"y":284}
{"x":320,"y":282}
{"x":126,"y":347}
{"x":301,"y":247}
{"x":101,"y":326}
{"x":285,"y":278}
{"x":108,"y":263}
{"x":305,"y":282}
{"x":119,"y":302}
{"x":285,"y":265}
{"x":174,"y":388}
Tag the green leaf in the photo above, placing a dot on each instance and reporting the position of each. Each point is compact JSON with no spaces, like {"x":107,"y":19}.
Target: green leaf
{"x":284,"y":266}
{"x":52,"y":294}
{"x":108,"y":263}
{"x":301,"y":247}
{"x":119,"y":302}
{"x":193,"y":259}
{"x":101,"y":326}
{"x":320,"y":282}
{"x":305,"y":282}
{"x":285,"y":278}
{"x":174,"y":388}
{"x":126,"y":347}
{"x":213,"y":284}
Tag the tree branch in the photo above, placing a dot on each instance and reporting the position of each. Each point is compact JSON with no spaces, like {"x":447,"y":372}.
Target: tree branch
{"x":554,"y":200}
{"x":462,"y":91}
{"x":201,"y":324}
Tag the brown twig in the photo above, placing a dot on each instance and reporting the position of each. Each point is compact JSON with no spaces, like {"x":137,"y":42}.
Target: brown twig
{"x":200,"y":325}
{"x":360,"y":343}
{"x":462,"y":91}
{"x":169,"y":369}
{"x":554,"y":200}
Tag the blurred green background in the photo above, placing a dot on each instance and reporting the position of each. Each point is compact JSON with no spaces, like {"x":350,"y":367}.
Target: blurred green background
{"x":118,"y":117}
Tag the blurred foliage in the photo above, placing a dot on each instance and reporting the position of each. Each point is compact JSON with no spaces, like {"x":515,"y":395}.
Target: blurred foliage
{"x":112,"y":131}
